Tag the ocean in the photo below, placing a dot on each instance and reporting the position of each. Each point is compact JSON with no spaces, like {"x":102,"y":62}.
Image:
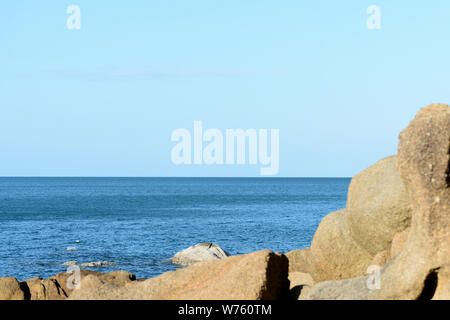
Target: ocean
{"x":139,"y":223}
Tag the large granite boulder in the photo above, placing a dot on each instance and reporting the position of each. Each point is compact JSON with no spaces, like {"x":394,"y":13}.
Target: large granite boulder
{"x":424,"y":163}
{"x":443,"y":286}
{"x":378,"y":206}
{"x":300,"y":283}
{"x":300,"y":261}
{"x":10,"y":289}
{"x":421,"y":269}
{"x":259,"y":275}
{"x":398,"y":242}
{"x":334,"y":253}
{"x":380,"y":258}
{"x":200,"y":252}
{"x":349,"y":289}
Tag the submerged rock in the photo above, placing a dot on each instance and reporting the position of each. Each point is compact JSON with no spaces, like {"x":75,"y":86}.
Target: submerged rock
{"x":97,"y":264}
{"x":89,"y":264}
{"x":199,"y":252}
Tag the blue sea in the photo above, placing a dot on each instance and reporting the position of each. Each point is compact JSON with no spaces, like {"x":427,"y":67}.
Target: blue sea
{"x":139,"y":223}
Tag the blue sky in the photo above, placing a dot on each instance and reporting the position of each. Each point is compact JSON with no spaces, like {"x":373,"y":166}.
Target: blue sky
{"x":104,"y":100}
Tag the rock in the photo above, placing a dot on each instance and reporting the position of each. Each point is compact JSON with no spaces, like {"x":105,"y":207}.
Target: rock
{"x":378,"y":206}
{"x":398,"y":242}
{"x":199,"y":252}
{"x":97,"y":264}
{"x":116,"y":277}
{"x":420,"y":270}
{"x":424,"y":162}
{"x":300,"y":278}
{"x":335,"y":254}
{"x":300,"y":261}
{"x":10,"y":289}
{"x":380,"y":258}
{"x":254,"y":276}
{"x":89,"y":264}
{"x":63,"y":277}
{"x":349,"y":289}
{"x":120,"y":277}
{"x":443,"y":284}
{"x":43,"y":289}
{"x":299,"y":283}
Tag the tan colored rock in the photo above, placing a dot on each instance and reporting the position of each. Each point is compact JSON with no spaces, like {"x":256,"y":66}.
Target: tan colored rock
{"x":300,"y":261}
{"x":200,"y":252}
{"x":334,"y":253}
{"x":349,"y":289}
{"x":120,"y":277}
{"x":116,"y":277}
{"x":420,"y":270}
{"x":63,"y":277}
{"x":378,"y":206}
{"x":93,"y":283}
{"x":259,"y":275}
{"x":443,"y":284}
{"x":424,"y":162}
{"x":10,"y":289}
{"x":300,"y":279}
{"x":300,"y":283}
{"x":398,"y":242}
{"x":380,"y":258}
{"x":43,"y":289}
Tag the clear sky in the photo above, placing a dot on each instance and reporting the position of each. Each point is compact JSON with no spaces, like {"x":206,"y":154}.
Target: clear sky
{"x":103,"y":100}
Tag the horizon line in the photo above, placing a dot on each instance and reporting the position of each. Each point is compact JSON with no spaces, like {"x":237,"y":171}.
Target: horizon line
{"x":178,"y":177}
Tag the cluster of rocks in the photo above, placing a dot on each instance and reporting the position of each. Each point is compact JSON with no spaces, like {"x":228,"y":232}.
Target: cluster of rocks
{"x":397,"y":218}
{"x":395,"y":229}
{"x":57,"y":287}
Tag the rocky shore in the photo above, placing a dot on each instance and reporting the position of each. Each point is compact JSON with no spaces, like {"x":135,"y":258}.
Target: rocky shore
{"x":390,"y":242}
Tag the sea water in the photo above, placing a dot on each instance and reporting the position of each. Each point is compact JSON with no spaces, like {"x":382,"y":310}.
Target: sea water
{"x":139,"y":223}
